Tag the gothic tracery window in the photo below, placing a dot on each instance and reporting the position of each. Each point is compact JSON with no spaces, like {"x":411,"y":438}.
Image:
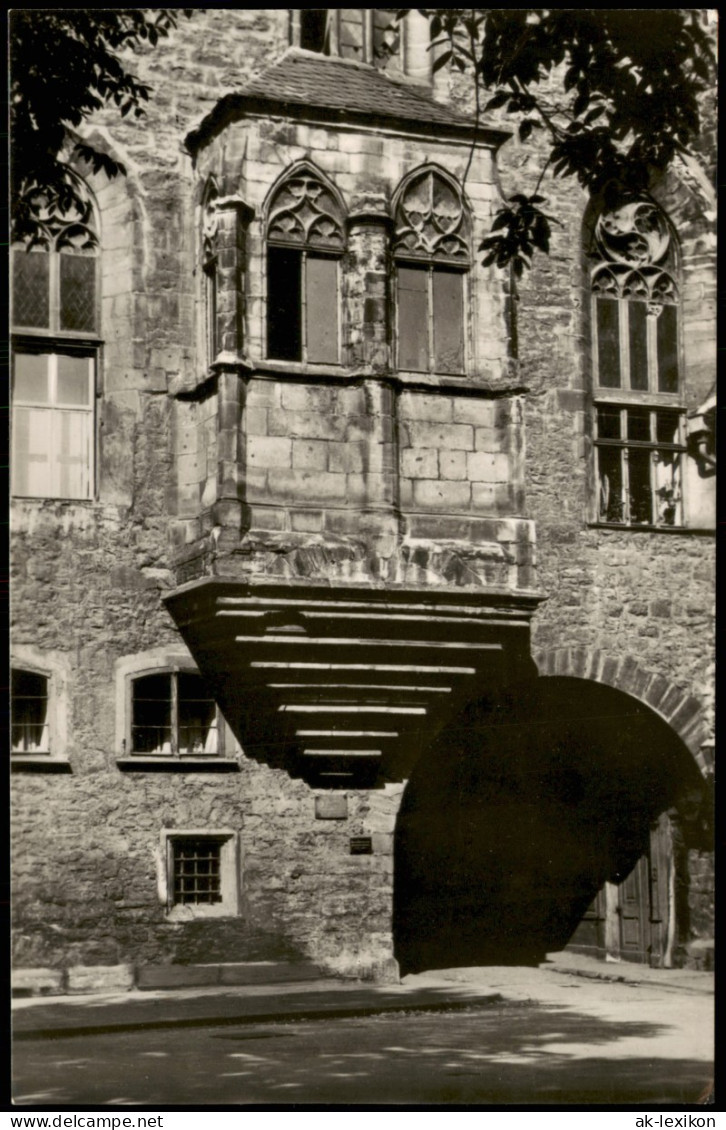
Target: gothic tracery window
{"x":431,"y":250}
{"x":55,"y":318}
{"x":639,"y":420}
{"x":305,"y":239}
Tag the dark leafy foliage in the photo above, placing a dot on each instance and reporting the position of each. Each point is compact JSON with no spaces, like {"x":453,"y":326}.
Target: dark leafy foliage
{"x":64,"y":65}
{"x":616,"y":90}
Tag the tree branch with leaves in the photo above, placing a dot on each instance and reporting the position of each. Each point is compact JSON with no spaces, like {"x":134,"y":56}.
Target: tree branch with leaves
{"x":628,"y":83}
{"x":65,"y":65}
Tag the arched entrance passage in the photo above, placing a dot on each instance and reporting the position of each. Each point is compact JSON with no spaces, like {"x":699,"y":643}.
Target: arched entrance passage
{"x":519,"y":813}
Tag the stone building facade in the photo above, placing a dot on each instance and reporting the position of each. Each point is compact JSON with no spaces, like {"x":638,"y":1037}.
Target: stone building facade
{"x":361,"y":606}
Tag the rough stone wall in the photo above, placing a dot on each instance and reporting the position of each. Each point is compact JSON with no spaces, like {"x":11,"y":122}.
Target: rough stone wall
{"x":88,"y":579}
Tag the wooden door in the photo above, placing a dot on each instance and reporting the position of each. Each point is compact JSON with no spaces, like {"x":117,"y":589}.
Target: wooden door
{"x":643,"y":901}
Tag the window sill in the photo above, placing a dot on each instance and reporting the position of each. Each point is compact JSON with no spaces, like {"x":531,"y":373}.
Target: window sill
{"x":39,"y":763}
{"x":190,"y":913}
{"x":302,"y":368}
{"x":620,"y":528}
{"x":143,"y":763}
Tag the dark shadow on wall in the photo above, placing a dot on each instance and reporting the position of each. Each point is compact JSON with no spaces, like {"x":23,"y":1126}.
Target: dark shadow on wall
{"x":519,"y":812}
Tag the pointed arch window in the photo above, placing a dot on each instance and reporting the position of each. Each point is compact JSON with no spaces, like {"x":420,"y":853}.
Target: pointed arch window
{"x":210,"y":250}
{"x":431,"y":250}
{"x":639,"y":417}
{"x":305,"y":241}
{"x":55,"y":321}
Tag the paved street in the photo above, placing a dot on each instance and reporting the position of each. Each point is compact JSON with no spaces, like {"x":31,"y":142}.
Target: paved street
{"x":550,"y":1038}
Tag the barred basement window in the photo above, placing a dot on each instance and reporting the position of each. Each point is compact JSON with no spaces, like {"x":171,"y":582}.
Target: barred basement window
{"x":197,"y":871}
{"x":201,"y":872}
{"x":174,"y":714}
{"x":639,"y":416}
{"x":305,"y":238}
{"x":30,"y":733}
{"x":431,"y":248}
{"x":55,"y":333}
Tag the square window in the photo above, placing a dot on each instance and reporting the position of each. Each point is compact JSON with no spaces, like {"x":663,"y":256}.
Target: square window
{"x":201,"y":873}
{"x":174,"y":714}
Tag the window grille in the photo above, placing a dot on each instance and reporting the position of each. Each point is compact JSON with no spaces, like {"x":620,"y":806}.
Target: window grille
{"x":639,"y":425}
{"x":197,"y":870}
{"x":431,"y":249}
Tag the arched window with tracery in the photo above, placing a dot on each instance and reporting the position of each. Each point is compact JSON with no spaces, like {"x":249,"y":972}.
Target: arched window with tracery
{"x":431,"y":248}
{"x":639,"y":417}
{"x":305,"y":241}
{"x":210,"y":250}
{"x":55,"y":323}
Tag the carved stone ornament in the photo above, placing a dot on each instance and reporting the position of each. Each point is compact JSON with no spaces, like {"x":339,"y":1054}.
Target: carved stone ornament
{"x":431,"y":221}
{"x":62,"y":226}
{"x":210,"y":221}
{"x":634,"y":247}
{"x":636,"y":233}
{"x":305,"y":211}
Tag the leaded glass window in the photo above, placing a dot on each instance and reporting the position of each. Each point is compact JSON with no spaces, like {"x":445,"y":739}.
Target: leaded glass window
{"x":431,"y":249}
{"x":639,"y":422}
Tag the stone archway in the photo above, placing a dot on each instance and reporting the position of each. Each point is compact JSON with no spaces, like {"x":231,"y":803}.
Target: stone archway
{"x":681,"y":710}
{"x":521,"y":811}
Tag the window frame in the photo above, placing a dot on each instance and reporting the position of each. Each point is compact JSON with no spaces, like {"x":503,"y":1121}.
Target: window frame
{"x":430,"y":266}
{"x":229,"y":874}
{"x":307,"y":245}
{"x":52,"y":667}
{"x":305,"y":254}
{"x":48,"y":347}
{"x":56,"y":341}
{"x":163,"y":661}
{"x":421,"y":241}
{"x":626,"y":274}
{"x":173,"y":671}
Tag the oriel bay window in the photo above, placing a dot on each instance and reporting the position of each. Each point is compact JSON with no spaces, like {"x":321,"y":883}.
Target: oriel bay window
{"x":431,"y":248}
{"x":305,"y":238}
{"x":639,"y":426}
{"x":55,"y":343}
{"x":174,"y":714}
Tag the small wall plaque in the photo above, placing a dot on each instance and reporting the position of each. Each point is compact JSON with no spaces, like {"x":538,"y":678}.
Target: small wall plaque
{"x":361,"y":845}
{"x":332,"y":806}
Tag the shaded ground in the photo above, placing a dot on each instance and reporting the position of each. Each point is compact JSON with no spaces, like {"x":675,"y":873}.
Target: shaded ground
{"x":580,"y":1042}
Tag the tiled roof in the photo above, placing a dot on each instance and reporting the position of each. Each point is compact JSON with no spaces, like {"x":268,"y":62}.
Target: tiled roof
{"x":343,"y":88}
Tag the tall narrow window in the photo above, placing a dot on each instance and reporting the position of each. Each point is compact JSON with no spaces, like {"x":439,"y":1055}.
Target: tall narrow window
{"x":639,"y":417}
{"x":210,"y":269}
{"x":29,"y":713}
{"x":431,"y":248}
{"x":305,"y":239}
{"x":55,"y":335}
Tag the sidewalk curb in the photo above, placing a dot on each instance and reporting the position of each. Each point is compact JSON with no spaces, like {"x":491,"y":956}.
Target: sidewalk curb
{"x":276,"y":1017}
{"x":625,"y":979}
